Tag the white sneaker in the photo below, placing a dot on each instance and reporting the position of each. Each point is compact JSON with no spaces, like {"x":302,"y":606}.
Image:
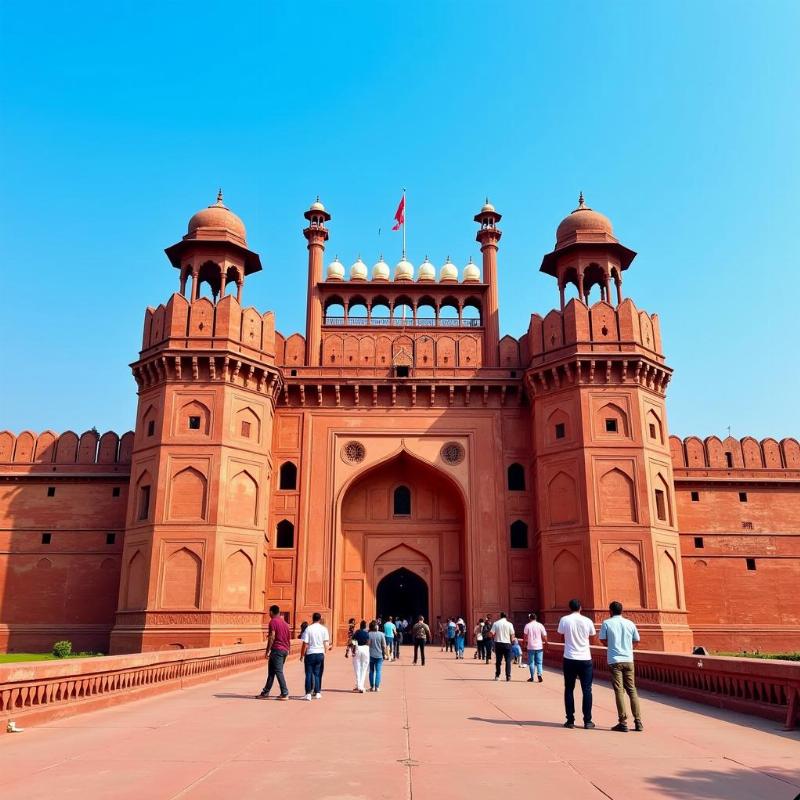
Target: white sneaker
{"x":377,"y":688}
{"x":318,"y":696}
{"x":308,"y":697}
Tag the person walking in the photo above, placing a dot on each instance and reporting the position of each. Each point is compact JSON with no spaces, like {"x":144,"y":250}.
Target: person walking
{"x":377,"y":652}
{"x":440,"y":632}
{"x":421,"y":634}
{"x":390,"y":631}
{"x":620,"y":636}
{"x":360,"y":647}
{"x":488,"y":644}
{"x":461,"y":637}
{"x":315,"y":642}
{"x":535,"y":636}
{"x":502,"y":635}
{"x":478,"y":631}
{"x":577,"y":665}
{"x":277,"y":651}
{"x":351,"y":629}
{"x":450,"y":635}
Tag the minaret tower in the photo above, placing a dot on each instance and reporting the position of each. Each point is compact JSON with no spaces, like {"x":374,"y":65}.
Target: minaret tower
{"x":597,"y":378}
{"x":316,"y":234}
{"x":489,"y":235}
{"x":194,"y":566}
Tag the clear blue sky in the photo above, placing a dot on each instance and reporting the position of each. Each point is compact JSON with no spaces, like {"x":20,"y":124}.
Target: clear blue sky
{"x":681,"y":121}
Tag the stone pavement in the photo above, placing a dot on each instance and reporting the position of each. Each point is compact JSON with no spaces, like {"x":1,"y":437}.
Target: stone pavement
{"x":445,"y":731}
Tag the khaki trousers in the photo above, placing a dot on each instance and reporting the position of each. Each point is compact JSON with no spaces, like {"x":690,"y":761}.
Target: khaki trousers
{"x":622,"y":677}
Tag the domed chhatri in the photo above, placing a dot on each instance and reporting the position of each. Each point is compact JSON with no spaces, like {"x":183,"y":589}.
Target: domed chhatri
{"x":380,"y":272}
{"x":584,"y":225}
{"x":472,"y":273}
{"x":404,"y":271}
{"x":359,"y":271}
{"x":335,"y":270}
{"x":449,"y":271}
{"x":488,"y":207}
{"x":317,"y":205}
{"x":427,"y":272}
{"x":209,"y":222}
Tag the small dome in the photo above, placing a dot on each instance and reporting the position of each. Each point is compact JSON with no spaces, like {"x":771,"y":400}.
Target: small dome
{"x":317,"y":205}
{"x":359,"y":271}
{"x":335,"y":270}
{"x":449,"y":271}
{"x":427,"y":272}
{"x":471,"y":273}
{"x":487,"y":206}
{"x":217,"y":216}
{"x":584,"y":224}
{"x":404,"y":270}
{"x":380,"y":272}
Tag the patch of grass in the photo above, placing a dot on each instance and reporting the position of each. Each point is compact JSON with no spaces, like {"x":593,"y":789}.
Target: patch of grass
{"x":11,"y":658}
{"x":781,"y":656}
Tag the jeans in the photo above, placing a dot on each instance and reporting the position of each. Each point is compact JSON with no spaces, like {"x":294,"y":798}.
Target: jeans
{"x":535,"y":660}
{"x":459,"y":645}
{"x":487,"y":649}
{"x":315,"y":665}
{"x":479,"y":648}
{"x":397,"y":641}
{"x":449,"y":644}
{"x":375,"y":667}
{"x":622,"y":679}
{"x":419,"y":647}
{"x":275,"y":670}
{"x":361,"y":665}
{"x":390,"y":646}
{"x":583,"y":671}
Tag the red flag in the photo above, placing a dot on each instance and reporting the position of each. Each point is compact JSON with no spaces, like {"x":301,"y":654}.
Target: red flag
{"x":400,"y":214}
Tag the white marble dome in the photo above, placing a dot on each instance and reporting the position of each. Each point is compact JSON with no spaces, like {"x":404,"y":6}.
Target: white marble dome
{"x":449,"y":271}
{"x":427,"y":272}
{"x":404,"y":270}
{"x":335,"y":270}
{"x":380,"y":272}
{"x":471,"y":273}
{"x":359,"y":271}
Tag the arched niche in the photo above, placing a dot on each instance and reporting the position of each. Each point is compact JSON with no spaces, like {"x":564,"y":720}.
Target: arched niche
{"x":237,"y":581}
{"x":182,"y":580}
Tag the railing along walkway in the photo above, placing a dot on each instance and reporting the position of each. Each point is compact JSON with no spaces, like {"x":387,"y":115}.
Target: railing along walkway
{"x":401,"y":322}
{"x":43,"y":690}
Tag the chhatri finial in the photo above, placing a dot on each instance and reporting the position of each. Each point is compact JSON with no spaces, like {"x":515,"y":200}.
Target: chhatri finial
{"x":219,"y":197}
{"x":581,"y":201}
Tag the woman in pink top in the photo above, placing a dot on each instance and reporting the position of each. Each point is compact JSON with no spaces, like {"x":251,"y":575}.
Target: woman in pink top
{"x":535,"y":640}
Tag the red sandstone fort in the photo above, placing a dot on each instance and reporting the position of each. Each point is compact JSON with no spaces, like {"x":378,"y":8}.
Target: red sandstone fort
{"x":400,"y":457}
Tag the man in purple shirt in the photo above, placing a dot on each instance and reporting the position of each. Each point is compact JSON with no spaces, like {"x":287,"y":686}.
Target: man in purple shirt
{"x":277,"y":650}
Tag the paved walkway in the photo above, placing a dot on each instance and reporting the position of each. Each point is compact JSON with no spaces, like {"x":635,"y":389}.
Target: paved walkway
{"x":445,"y":731}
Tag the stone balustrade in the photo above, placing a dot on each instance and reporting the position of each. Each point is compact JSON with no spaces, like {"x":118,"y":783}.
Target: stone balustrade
{"x":34,"y":692}
{"x":765,"y":688}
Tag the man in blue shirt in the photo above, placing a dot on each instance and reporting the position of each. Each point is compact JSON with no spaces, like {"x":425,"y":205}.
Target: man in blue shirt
{"x":389,"y":631}
{"x":619,"y":635}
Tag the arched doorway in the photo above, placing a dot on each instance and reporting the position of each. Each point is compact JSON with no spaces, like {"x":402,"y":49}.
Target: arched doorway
{"x":402,"y":594}
{"x":403,"y":514}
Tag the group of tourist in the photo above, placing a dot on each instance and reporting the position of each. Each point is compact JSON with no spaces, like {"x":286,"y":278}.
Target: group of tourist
{"x":372,"y":643}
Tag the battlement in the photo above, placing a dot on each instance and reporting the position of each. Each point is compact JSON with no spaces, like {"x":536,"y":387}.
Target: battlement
{"x":65,"y":449}
{"x":201,"y":324}
{"x":734,"y":454}
{"x":600,"y":328}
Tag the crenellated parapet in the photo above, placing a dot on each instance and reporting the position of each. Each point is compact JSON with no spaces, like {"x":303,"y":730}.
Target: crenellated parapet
{"x":199,"y":340}
{"x":730,"y":454}
{"x":65,"y":449}
{"x":197,"y":324}
{"x":600,"y":328}
{"x":599,"y":344}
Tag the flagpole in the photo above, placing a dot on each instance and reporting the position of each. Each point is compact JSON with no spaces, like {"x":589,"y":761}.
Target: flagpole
{"x":405,"y":217}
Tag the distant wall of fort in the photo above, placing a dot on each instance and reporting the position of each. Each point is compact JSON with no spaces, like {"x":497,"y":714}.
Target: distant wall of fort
{"x":62,"y":522}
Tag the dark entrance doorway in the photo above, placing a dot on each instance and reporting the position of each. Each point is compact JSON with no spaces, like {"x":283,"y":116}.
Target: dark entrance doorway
{"x":402,"y":594}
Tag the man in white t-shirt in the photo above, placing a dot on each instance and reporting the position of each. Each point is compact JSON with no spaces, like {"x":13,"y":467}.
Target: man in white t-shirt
{"x":535,"y":639}
{"x":502,"y":634}
{"x":315,"y":641}
{"x":577,"y":630}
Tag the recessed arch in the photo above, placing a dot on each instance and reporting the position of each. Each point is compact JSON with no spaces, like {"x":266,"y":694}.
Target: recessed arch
{"x":287,"y":476}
